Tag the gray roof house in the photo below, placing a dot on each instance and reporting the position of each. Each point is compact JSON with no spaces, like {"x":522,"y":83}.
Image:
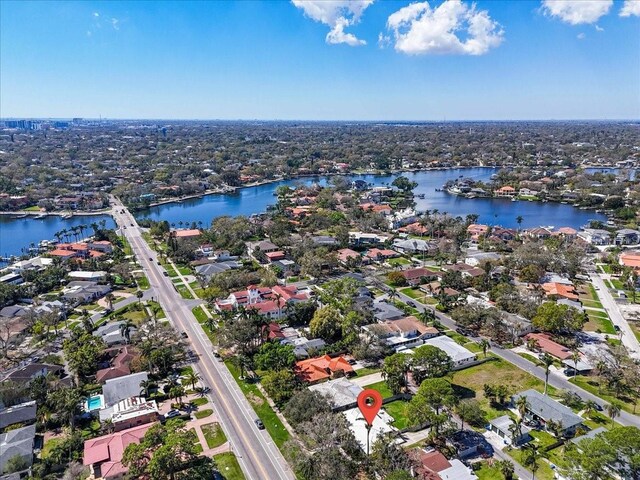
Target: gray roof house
{"x":83,"y":291}
{"x":22,"y":413}
{"x":503,"y":427}
{"x":545,"y":409}
{"x":18,"y":442}
{"x":385,"y":311}
{"x":112,"y":333}
{"x":116,"y":389}
{"x":210,"y":270}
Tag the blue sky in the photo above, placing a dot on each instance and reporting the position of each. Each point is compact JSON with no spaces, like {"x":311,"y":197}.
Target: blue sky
{"x":306,"y":60}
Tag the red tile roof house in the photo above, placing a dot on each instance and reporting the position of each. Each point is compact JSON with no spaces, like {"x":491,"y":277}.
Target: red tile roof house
{"x":415,"y":276}
{"x":547,"y":345}
{"x":119,"y":366}
{"x":476,"y":231}
{"x":270,"y":302}
{"x":103,"y":455}
{"x":314,"y":370}
{"x":506,"y":191}
{"x":379,"y":255}
{"x":186,"y":234}
{"x":275,"y":256}
{"x":560,"y":290}
{"x":345,"y":254}
{"x":414,"y":229}
{"x":372,"y":207}
{"x":631,"y":259}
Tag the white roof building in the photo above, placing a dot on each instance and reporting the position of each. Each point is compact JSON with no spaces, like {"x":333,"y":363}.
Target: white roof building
{"x":341,"y":391}
{"x":358,"y":425}
{"x":460,"y":356}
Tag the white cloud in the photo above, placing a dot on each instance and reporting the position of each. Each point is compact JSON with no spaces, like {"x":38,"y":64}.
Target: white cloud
{"x":576,"y":12}
{"x":96,"y":14}
{"x":599,"y":28}
{"x":453,"y":27}
{"x":630,"y":7}
{"x":581,"y":36}
{"x":337,"y":14}
{"x":115,"y":23}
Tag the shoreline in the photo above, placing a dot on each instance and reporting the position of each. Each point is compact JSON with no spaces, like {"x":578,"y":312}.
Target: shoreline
{"x":79,"y":213}
{"x":231,"y":189}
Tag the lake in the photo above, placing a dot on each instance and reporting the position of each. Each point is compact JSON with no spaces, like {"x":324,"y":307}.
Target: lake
{"x":247,"y":201}
{"x":18,"y":233}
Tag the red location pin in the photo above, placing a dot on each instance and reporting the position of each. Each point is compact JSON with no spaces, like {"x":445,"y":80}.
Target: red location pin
{"x":369,"y":403}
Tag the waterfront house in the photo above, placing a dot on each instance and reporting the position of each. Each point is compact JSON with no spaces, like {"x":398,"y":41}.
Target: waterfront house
{"x":506,"y":191}
{"x":595,"y":236}
{"x":627,"y":236}
{"x":186,"y":234}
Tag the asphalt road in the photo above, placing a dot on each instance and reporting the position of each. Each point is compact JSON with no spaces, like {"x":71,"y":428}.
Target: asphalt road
{"x":258,"y":456}
{"x":628,"y":338}
{"x":556,"y":381}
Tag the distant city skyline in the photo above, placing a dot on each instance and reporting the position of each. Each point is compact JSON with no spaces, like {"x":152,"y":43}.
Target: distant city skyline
{"x":321,"y":60}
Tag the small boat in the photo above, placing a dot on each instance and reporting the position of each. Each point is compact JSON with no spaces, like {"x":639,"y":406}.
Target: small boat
{"x":40,"y":216}
{"x":420,"y":195}
{"x":66,"y":216}
{"x":20,"y":215}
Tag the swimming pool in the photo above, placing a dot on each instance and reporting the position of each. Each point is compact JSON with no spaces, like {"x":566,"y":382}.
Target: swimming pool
{"x":95,"y":402}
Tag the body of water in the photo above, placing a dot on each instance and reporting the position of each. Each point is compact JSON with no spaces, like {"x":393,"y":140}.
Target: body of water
{"x":247,"y":201}
{"x":19,"y":233}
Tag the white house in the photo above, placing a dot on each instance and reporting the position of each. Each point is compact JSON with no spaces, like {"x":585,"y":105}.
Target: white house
{"x":460,"y":356}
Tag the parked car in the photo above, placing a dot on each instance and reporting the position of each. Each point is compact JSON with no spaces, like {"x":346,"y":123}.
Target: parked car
{"x":172,"y":413}
{"x":259,"y":424}
{"x":616,"y":328}
{"x":411,"y":304}
{"x":184,"y":335}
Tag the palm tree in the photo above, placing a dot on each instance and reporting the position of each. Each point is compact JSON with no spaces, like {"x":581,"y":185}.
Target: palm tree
{"x":532,"y":457}
{"x":192,"y":377}
{"x":547,"y":361}
{"x":613,"y":409}
{"x":110,"y":297}
{"x":506,"y":469}
{"x":107,"y":426}
{"x":523,"y":405}
{"x":146,"y":386}
{"x":139,"y":295}
{"x":485,"y":345}
{"x":590,"y":406}
{"x":575,"y":356}
{"x":125,"y":329}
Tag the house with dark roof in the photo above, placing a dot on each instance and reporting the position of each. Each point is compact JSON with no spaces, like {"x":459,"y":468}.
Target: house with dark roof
{"x":417,"y":276}
{"x":27,"y":373}
{"x":544,"y":409}
{"x":17,"y":443}
{"x":119,"y":365}
{"x":22,"y":413}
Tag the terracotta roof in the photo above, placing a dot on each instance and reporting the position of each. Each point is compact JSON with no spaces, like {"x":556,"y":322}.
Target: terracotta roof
{"x":560,"y":289}
{"x":547,"y":345}
{"x":187,"y":233}
{"x":346,"y":253}
{"x":107,"y":450}
{"x":315,"y":369}
{"x":630,"y":259}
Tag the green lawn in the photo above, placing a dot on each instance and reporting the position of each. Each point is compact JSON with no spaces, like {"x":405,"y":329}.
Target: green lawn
{"x":531,"y":358}
{"x":203,"y":413}
{"x":470,"y":381}
{"x":272,"y":423}
{"x":398,"y":261}
{"x":591,"y":303}
{"x":592,"y":385}
{"x":143,"y":283}
{"x":416,"y":294}
{"x":201,"y":317}
{"x":599,"y":323}
{"x":185,"y":270}
{"x":198,"y":402}
{"x":184,"y":292}
{"x":488,"y":472}
{"x":228,"y":466}
{"x":398,"y":410}
{"x":544,"y":471}
{"x":48,"y":446}
{"x":363,"y":372}
{"x":382,"y":388}
{"x":213,"y":434}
